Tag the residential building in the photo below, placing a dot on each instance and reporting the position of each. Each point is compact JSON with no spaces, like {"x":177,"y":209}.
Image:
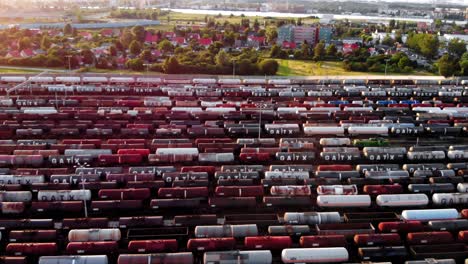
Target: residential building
{"x":325,"y":34}
{"x":285,"y":33}
{"x":298,"y":34}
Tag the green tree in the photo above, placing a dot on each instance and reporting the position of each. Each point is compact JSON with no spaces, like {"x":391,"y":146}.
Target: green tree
{"x":456,"y":47}
{"x":126,"y":38}
{"x":88,"y":56}
{"x":403,"y":63}
{"x":135,"y":64}
{"x":388,"y":41}
{"x":464,"y":64}
{"x":319,"y":51}
{"x":430,"y":46}
{"x":45,"y":43}
{"x":275,"y":51}
{"x":102,"y":63}
{"x":331,"y":50}
{"x":392,"y":24}
{"x":165,"y":46}
{"x":438,"y":23}
{"x":54,"y":61}
{"x":135,"y":47}
{"x":446,"y":66}
{"x":271,"y":35}
{"x":305,"y":50}
{"x":138,"y":33}
{"x":146,"y":55}
{"x":268,"y":67}
{"x":24,"y":43}
{"x":171,"y":66}
{"x":68,"y":29}
{"x":222,"y":58}
{"x":113,"y":51}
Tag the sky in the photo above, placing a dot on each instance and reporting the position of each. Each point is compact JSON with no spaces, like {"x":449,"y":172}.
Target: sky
{"x":463,"y":2}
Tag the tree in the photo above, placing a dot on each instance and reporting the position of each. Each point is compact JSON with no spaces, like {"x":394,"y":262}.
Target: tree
{"x":146,"y":55}
{"x":135,"y":47}
{"x":24,"y":43}
{"x":113,"y":51}
{"x":171,"y":65}
{"x":268,"y":67}
{"x":165,"y":46}
{"x":456,"y":47}
{"x":54,"y":61}
{"x":275,"y":51}
{"x":464,"y":64}
{"x":271,"y":35}
{"x":67,"y":29}
{"x":102,"y":63}
{"x":126,"y":38}
{"x":403,"y":63}
{"x":88,"y":56}
{"x":438,"y":23}
{"x":319,"y":51}
{"x":299,"y":22}
{"x":118,"y":45}
{"x":246,"y":67}
{"x":222,"y":58}
{"x":305,"y":50}
{"x":135,"y":64}
{"x":138,"y":33}
{"x":388,"y":40}
{"x":446,"y":66}
{"x":45,"y":43}
{"x":430,"y":46}
{"x":331,"y":50}
{"x":392,"y":24}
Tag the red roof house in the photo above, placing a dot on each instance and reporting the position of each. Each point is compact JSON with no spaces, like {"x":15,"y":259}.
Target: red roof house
{"x":205,"y":42}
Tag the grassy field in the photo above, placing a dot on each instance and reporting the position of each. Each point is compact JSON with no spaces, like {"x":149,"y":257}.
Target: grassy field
{"x":331,"y":68}
{"x":18,"y":71}
{"x":182,"y":17}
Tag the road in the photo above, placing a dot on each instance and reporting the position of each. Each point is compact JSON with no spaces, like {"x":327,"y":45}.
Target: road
{"x":185,"y":76}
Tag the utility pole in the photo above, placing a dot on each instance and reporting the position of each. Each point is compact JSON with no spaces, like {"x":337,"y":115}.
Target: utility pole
{"x":234,"y":67}
{"x":147,"y":65}
{"x":81,"y":166}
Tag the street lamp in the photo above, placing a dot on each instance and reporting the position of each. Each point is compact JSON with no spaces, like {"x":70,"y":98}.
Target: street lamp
{"x":234,"y":67}
{"x":81,"y":166}
{"x":147,"y":65}
{"x":386,"y":64}
{"x":69,"y":63}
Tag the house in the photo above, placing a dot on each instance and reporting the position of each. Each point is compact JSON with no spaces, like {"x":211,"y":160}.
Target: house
{"x":178,"y":41}
{"x":288,"y":45}
{"x":156,"y":53}
{"x":169,"y":35}
{"x":86,"y":35}
{"x":26,"y":53}
{"x":205,"y":42}
{"x":350,"y":47}
{"x":98,"y":52}
{"x":110,"y":32}
{"x":150,"y":38}
{"x":255,"y":41}
{"x":422,"y":26}
{"x":13,"y":54}
{"x":55,"y":33}
{"x":121,"y":61}
{"x":193,"y":36}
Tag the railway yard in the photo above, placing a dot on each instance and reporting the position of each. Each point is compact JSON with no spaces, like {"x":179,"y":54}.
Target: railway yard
{"x":146,"y":170}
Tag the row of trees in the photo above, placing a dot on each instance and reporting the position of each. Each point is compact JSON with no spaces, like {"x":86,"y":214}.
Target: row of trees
{"x":307,"y":52}
{"x":137,"y":14}
{"x":398,"y":63}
